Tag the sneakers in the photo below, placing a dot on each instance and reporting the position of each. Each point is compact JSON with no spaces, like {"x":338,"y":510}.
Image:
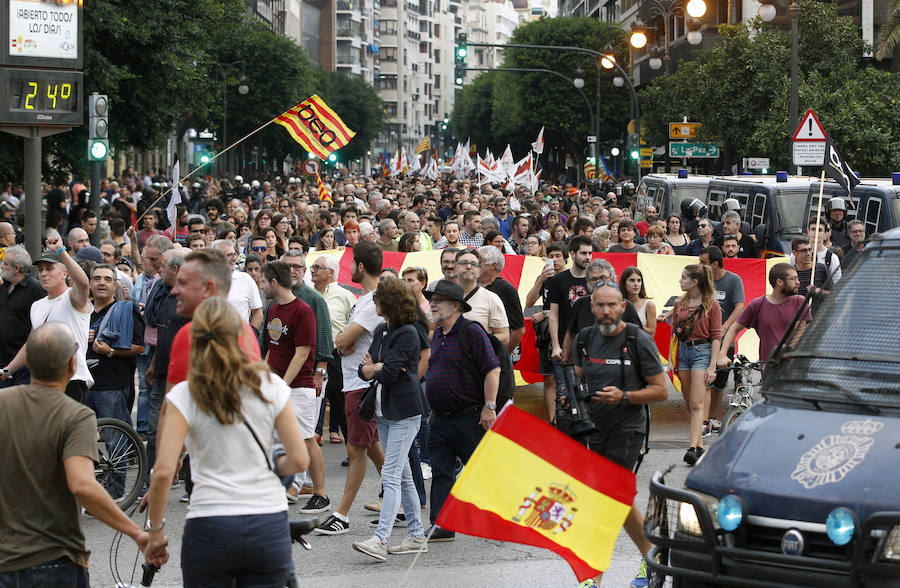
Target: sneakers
{"x":426,"y":471}
{"x":692,"y":455}
{"x":333,"y":526}
{"x":346,"y":462}
{"x":409,"y":545}
{"x":373,"y":506}
{"x":439,"y":535}
{"x":186,"y":497}
{"x":641,"y":580}
{"x":373,"y":547}
{"x":400,"y":521}
{"x":711,"y":426}
{"x":292,"y":494}
{"x":316,"y":504}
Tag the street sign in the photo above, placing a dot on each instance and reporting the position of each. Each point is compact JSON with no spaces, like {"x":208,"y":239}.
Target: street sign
{"x":646,"y":152}
{"x":311,"y":167}
{"x":592,"y":139}
{"x":808,"y":141}
{"x":686,"y":149}
{"x":756,"y":162}
{"x":683,"y":130}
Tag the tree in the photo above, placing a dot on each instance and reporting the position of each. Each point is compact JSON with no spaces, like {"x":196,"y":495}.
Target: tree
{"x":890,"y":31}
{"x":359,"y":106}
{"x":740,"y":91}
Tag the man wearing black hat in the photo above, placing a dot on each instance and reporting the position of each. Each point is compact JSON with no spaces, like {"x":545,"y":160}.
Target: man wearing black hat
{"x":462,"y":407}
{"x":64,"y":304}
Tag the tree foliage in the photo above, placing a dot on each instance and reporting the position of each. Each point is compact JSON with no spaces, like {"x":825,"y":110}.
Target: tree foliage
{"x":740,"y":91}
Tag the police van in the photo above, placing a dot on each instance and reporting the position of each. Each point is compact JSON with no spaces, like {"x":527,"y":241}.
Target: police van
{"x":874,"y":201}
{"x":667,"y":191}
{"x":802,"y":490}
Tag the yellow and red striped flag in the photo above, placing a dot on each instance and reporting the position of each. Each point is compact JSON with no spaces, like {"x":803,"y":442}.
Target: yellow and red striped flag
{"x":316,"y":127}
{"x":555,"y":493}
{"x":590,"y":172}
{"x":424,"y":145}
{"x":324,"y":194}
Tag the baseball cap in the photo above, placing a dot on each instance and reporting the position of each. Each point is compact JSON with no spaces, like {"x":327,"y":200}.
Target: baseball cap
{"x":89,"y":253}
{"x":48,"y":255}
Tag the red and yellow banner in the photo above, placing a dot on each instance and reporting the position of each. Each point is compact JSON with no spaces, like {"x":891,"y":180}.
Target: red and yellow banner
{"x":590,"y":172}
{"x":324,"y":194}
{"x":424,"y":145}
{"x":316,"y":127}
{"x":555,"y":494}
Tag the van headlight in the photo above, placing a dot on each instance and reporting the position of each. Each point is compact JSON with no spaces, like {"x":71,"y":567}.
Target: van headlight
{"x":891,"y":550}
{"x":687,"y":519}
{"x":841,"y":525}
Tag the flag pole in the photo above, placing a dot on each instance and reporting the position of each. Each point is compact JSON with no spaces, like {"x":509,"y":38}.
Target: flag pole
{"x":815,"y":251}
{"x":183,"y":178}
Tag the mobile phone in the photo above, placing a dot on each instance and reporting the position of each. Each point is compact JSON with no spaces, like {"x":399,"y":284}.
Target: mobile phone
{"x":548,"y":264}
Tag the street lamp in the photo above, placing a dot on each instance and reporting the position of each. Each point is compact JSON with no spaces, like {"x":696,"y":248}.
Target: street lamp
{"x":243,"y":89}
{"x":578,"y":82}
{"x":666,"y":10}
{"x":608,"y":61}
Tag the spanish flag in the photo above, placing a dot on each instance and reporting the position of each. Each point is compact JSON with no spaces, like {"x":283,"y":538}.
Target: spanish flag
{"x":316,"y":127}
{"x":528,"y":483}
{"x":324,"y":194}
{"x":424,"y":145}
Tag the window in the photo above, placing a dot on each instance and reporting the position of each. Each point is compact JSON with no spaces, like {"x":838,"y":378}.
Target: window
{"x":437,"y":31}
{"x":873,"y":215}
{"x":437,"y":55}
{"x":437,"y":82}
{"x":759,"y":210}
{"x":386,"y":82}
{"x":390,"y":108}
{"x":716,"y":198}
{"x":389,"y":54}
{"x":388,"y":27}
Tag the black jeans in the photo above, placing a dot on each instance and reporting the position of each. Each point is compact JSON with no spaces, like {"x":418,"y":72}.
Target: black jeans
{"x":62,"y":573}
{"x":449,"y":438}
{"x":334,"y":390}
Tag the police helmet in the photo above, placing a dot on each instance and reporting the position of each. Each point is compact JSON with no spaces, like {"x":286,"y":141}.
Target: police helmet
{"x":837,"y":203}
{"x":693,"y":208}
{"x":731,"y":204}
{"x":254,"y":184}
{"x":238,"y":179}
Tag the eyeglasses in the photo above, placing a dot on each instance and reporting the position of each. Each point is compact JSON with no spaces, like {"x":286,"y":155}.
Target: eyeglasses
{"x":284,"y":221}
{"x":703,"y":225}
{"x":296,"y":266}
{"x":609,"y":283}
{"x":259,"y":248}
{"x":468,"y":264}
{"x":316,"y":267}
{"x":599,"y":279}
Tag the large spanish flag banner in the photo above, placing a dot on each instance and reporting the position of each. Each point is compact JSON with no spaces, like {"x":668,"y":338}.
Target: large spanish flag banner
{"x":316,"y":127}
{"x":555,"y":493}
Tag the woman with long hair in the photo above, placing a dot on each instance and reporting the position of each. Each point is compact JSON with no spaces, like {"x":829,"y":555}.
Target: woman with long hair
{"x":283,"y":226}
{"x":496,"y":239}
{"x":534,"y":246}
{"x":275,"y":244}
{"x":655,"y":243}
{"x":262,"y":221}
{"x":225,"y":414}
{"x":697,"y":322}
{"x":392,"y":362}
{"x":409,"y":242}
{"x":675,"y":235}
{"x":632,"y":286}
{"x":305,"y":226}
{"x":558,"y":233}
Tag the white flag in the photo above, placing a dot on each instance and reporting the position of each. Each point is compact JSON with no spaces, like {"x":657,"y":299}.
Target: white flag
{"x":538,"y":145}
{"x":175,"y":197}
{"x":507,"y":163}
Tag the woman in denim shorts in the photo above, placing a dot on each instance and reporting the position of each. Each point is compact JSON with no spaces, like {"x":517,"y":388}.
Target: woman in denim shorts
{"x":697,"y":319}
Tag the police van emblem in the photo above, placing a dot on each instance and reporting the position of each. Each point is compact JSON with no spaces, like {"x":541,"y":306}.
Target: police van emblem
{"x":835,"y":456}
{"x":792,"y":543}
{"x":552,"y":511}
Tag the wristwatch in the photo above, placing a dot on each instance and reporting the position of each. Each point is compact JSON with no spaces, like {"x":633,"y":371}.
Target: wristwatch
{"x":490,"y":405}
{"x":321,"y":371}
{"x":111,"y":352}
{"x":624,"y":397}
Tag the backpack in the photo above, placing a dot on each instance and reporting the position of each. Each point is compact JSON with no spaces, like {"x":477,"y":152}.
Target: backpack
{"x":631,"y":342}
{"x":507,"y":387}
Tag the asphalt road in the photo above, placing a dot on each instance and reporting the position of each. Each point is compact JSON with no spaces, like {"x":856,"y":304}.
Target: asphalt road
{"x":468,"y":561}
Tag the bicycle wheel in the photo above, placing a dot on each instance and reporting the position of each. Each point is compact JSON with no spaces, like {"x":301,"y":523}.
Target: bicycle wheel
{"x":122,"y":463}
{"x":730,"y":417}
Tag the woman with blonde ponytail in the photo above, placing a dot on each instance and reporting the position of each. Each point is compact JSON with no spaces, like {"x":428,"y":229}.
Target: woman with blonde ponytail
{"x":226,"y":415}
{"x":697,"y":322}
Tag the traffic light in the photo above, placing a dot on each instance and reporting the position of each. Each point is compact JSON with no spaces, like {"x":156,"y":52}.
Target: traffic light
{"x":461,"y":49}
{"x":445,"y":123}
{"x":459,"y":70}
{"x":634,"y":146}
{"x":98,"y":127}
{"x":459,"y":73}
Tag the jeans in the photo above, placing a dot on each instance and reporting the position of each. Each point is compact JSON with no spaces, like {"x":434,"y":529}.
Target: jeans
{"x":143,"y":404}
{"x":450,"y":437}
{"x":560,"y":378}
{"x":320,"y":424}
{"x":62,"y":573}
{"x":245,"y":550}
{"x":113,"y":404}
{"x":416,"y":466}
{"x":17,"y":378}
{"x":396,"y":476}
{"x":157,"y":395}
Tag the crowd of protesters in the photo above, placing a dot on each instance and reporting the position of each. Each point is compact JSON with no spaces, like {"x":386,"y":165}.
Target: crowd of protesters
{"x":139,"y":294}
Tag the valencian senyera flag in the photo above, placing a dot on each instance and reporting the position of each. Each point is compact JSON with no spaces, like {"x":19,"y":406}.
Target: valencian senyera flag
{"x":316,"y":127}
{"x":424,"y":145}
{"x":324,"y":194}
{"x":528,"y":483}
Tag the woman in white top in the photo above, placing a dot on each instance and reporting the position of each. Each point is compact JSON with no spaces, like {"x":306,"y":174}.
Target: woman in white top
{"x":632,"y":286}
{"x":226,"y":414}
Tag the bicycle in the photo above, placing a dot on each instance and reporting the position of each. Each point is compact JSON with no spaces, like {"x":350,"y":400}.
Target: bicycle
{"x":745,"y":392}
{"x":122,"y":463}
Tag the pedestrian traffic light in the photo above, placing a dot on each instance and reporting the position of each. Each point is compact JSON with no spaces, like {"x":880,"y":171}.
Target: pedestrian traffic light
{"x":634,"y":146}
{"x":98,"y":127}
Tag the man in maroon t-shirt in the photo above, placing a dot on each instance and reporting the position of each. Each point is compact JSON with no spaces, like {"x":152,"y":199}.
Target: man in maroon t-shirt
{"x":770,"y":315}
{"x":291,"y":332}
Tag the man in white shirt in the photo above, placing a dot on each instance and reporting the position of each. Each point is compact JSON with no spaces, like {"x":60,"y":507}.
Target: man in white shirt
{"x":487,"y":308}
{"x":244,"y":294}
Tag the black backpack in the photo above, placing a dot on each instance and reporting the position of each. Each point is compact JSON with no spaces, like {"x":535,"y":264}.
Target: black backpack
{"x":507,"y":386}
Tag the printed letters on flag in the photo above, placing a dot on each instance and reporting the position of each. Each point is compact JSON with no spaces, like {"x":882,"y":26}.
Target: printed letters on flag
{"x":555,"y":494}
{"x":837,"y":169}
{"x":316,"y":127}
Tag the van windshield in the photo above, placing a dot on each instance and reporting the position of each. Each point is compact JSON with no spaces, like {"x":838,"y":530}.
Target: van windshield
{"x":895,"y":206}
{"x":686,"y":192}
{"x":850,"y":352}
{"x":792,"y":209}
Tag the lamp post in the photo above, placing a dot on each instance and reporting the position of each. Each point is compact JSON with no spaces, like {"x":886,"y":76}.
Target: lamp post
{"x":767,"y":13}
{"x":243,"y":89}
{"x":578,"y":82}
{"x":609,"y":62}
{"x":667,"y":9}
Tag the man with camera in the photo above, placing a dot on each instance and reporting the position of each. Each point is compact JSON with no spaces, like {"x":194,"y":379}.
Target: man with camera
{"x":619,"y":372}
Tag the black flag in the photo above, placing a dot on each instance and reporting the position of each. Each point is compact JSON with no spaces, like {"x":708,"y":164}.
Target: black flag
{"x":837,"y":169}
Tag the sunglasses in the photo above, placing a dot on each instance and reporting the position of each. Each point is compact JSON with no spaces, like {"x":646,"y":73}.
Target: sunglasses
{"x":259,"y":248}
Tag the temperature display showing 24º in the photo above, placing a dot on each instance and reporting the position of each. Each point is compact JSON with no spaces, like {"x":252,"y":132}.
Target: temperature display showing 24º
{"x":43,"y":95}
